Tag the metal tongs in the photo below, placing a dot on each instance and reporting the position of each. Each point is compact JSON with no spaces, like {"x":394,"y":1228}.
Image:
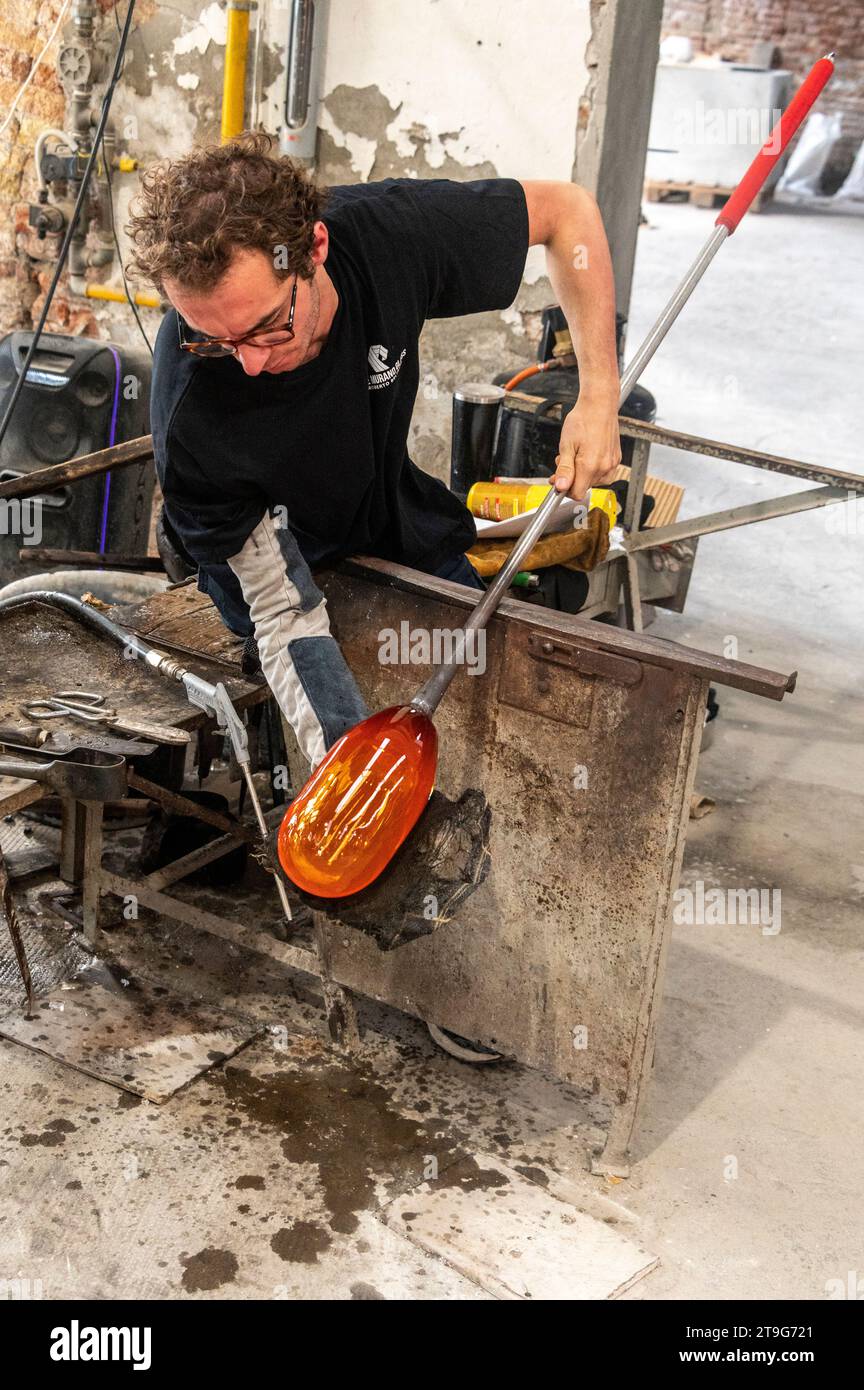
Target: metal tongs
{"x":92,"y":708}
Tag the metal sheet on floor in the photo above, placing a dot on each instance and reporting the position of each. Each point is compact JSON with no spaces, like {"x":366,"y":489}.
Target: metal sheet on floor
{"x":515,"y":1239}
{"x":127,"y":1032}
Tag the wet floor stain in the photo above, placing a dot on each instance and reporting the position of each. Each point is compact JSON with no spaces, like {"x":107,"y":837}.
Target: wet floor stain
{"x":467,"y":1175}
{"x":365,"y":1291}
{"x":301,"y":1243}
{"x":250,"y":1180}
{"x":51,"y":1137}
{"x":208,"y":1269}
{"x":342,"y":1120}
{"x":533,"y":1174}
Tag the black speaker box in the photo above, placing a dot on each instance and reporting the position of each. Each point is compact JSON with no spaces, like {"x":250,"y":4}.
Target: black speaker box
{"x":80,"y":395}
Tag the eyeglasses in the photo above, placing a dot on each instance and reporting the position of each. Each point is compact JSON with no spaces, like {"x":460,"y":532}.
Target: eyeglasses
{"x":227,"y":347}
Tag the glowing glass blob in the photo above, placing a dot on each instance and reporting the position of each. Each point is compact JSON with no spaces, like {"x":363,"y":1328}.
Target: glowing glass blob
{"x":341,"y":831}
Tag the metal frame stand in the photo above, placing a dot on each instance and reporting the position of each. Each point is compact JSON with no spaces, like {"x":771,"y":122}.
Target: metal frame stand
{"x":80,"y":865}
{"x":837,"y":486}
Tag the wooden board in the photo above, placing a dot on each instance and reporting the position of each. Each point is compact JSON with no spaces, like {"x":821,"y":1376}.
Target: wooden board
{"x":702,"y":194}
{"x":667,"y":497}
{"x":46,"y":649}
{"x":183,"y":619}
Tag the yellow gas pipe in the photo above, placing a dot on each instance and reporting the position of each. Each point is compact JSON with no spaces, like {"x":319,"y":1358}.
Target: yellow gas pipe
{"x":147,"y":301}
{"x":234,"y":84}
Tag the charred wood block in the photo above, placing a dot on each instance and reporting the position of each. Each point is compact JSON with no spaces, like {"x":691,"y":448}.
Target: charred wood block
{"x":440,"y":865}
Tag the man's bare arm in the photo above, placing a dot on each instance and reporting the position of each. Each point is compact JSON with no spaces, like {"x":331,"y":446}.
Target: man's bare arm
{"x":565,"y":219}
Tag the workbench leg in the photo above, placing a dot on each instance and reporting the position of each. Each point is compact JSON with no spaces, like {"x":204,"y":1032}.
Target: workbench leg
{"x":338,"y":1001}
{"x":92,"y":862}
{"x":71,"y":840}
{"x":632,"y":596}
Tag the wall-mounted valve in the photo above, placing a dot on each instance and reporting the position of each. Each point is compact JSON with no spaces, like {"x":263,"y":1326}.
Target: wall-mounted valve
{"x":84,"y":64}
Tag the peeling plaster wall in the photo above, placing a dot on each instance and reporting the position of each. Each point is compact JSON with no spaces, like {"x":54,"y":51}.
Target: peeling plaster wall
{"x":592,"y":106}
{"x":24,"y":29}
{"x":438,"y":89}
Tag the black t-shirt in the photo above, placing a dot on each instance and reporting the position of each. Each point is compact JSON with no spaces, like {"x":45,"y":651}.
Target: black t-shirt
{"x":327,"y":441}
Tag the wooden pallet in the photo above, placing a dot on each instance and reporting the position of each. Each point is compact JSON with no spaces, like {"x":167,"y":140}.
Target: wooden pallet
{"x":702,"y":194}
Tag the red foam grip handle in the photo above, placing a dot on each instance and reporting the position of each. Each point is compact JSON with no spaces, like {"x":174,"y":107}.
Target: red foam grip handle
{"x":732,"y":212}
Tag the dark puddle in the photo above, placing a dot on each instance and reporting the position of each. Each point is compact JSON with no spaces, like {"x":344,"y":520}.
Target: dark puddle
{"x":343,"y":1121}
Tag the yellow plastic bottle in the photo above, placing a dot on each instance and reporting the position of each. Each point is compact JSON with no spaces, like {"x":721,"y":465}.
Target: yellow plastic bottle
{"x":499,"y":501}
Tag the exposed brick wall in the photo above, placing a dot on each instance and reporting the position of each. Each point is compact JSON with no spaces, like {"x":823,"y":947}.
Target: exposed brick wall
{"x":26,"y":264}
{"x":24,"y":27}
{"x":802,"y":30}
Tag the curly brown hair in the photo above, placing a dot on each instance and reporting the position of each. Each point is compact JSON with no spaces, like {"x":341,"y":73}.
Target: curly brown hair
{"x":191,"y":214}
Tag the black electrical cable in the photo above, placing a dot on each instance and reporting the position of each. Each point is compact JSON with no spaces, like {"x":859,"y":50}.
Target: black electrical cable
{"x":73,"y":221}
{"x":133,"y":306}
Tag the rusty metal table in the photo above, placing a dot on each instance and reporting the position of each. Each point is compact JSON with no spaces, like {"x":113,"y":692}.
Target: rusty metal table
{"x":584,"y":738}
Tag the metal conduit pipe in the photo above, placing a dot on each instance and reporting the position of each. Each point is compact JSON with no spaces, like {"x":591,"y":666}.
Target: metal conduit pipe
{"x":111,"y":586}
{"x":84,"y":613}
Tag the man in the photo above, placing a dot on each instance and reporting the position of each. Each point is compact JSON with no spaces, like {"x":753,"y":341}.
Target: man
{"x":285,"y":378}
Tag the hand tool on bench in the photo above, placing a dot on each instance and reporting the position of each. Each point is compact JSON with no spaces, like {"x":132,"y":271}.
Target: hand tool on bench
{"x":213,"y":699}
{"x":92,"y":708}
{"x":83,"y":773}
{"x":29,"y":738}
{"x":364,"y":798}
{"x":57,"y":742}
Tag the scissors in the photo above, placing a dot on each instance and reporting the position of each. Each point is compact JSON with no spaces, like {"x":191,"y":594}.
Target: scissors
{"x":81,"y":704}
{"x":91,"y":708}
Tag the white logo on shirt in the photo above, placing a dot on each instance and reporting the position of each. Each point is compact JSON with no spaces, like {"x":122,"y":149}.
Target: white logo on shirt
{"x":379,"y":373}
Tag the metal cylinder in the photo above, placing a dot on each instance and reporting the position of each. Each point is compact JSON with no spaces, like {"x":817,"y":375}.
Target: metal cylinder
{"x":475,"y":420}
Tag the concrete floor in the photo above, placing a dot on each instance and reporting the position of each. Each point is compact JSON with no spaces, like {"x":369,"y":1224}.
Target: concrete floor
{"x":760,"y":1039}
{"x":272,"y":1176}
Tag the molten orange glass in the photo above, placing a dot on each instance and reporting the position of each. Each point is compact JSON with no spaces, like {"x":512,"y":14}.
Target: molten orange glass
{"x":341,"y":831}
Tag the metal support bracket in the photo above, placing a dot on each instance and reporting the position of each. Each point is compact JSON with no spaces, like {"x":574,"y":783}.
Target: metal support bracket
{"x":587,"y":661}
